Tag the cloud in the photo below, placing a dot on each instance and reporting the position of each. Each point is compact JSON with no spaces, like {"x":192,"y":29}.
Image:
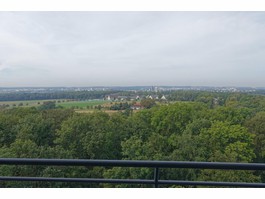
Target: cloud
{"x":132,"y":48}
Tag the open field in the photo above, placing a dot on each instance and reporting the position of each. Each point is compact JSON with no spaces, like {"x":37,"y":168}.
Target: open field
{"x":92,"y":111}
{"x":65,"y":103}
{"x":110,"y":112}
{"x":81,"y":104}
{"x":28,"y":103}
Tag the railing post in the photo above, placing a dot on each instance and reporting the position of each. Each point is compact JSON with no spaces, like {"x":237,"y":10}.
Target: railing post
{"x":156,"y":176}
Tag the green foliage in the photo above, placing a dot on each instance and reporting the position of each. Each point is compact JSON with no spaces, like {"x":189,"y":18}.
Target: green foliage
{"x":148,"y":103}
{"x":47,"y":105}
{"x":120,"y":106}
{"x":90,"y":136}
{"x":224,"y":142}
{"x":76,"y":95}
{"x":256,"y":125}
{"x":215,"y":127}
{"x":230,"y":114}
{"x":174,"y":118}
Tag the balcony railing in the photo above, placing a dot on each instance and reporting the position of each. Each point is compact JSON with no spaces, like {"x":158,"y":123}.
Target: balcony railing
{"x":156,"y":165}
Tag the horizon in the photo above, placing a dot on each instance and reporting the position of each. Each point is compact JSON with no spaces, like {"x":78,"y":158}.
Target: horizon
{"x":102,"y":86}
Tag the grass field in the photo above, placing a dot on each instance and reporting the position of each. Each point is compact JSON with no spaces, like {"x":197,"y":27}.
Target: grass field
{"x":110,"y":112}
{"x":27,"y":103}
{"x":65,"y":103}
{"x":92,"y":111}
{"x":81,"y":104}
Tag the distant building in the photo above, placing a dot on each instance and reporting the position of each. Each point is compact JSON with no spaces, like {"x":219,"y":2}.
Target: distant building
{"x":149,"y":97}
{"x":108,"y":98}
{"x":163,"y":97}
{"x":121,"y":98}
{"x":137,"y":97}
{"x":137,"y":106}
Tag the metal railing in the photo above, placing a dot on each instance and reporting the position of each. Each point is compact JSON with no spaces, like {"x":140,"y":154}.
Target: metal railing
{"x":156,"y":165}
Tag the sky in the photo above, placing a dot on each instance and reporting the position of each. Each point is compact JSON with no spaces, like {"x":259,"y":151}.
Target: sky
{"x":132,"y":49}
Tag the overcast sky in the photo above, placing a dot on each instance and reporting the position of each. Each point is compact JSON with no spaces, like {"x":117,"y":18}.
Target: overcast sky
{"x":132,"y":48}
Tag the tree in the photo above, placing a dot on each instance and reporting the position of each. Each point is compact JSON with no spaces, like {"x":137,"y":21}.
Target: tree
{"x":148,"y":103}
{"x":7,"y":129}
{"x":227,"y":142}
{"x":47,"y":105}
{"x":35,"y":128}
{"x":257,"y":127}
{"x":224,"y":142}
{"x":174,"y":118}
{"x":230,"y":114}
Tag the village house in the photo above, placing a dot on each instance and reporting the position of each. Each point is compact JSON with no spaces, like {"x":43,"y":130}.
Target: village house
{"x":137,"y":106}
{"x":163,"y":97}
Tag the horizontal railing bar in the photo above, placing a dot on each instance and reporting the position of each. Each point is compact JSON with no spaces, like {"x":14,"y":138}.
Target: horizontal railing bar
{"x":202,"y":183}
{"x":85,"y":180}
{"x":133,"y":163}
{"x":135,"y":181}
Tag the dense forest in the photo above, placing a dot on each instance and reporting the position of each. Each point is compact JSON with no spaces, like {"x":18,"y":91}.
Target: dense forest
{"x":192,"y":126}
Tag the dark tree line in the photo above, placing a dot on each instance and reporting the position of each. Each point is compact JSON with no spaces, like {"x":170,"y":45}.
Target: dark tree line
{"x":76,"y":95}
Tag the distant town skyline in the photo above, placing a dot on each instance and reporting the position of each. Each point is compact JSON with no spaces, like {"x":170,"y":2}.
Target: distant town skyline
{"x":54,"y":49}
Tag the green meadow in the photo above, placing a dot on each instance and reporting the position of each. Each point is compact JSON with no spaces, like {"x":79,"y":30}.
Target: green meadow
{"x":65,"y":103}
{"x":81,"y":104}
{"x":26,"y":103}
